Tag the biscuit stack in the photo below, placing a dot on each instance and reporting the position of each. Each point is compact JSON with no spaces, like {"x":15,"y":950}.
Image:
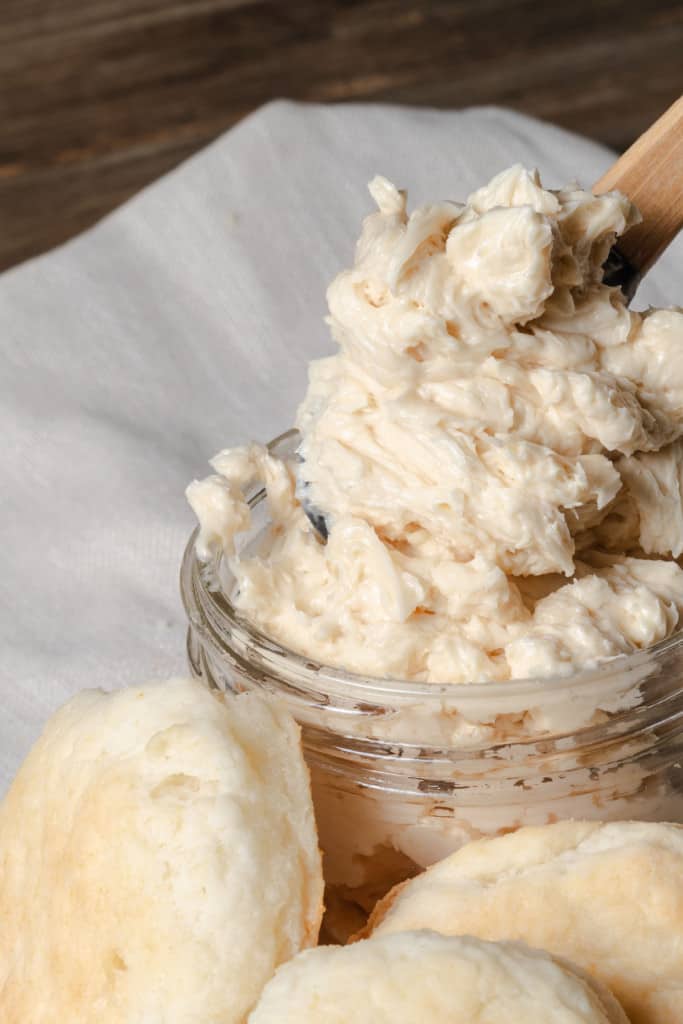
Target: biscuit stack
{"x":159,"y":864}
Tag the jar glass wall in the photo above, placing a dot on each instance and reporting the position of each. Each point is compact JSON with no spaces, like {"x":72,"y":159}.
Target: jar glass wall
{"x":404,"y":773}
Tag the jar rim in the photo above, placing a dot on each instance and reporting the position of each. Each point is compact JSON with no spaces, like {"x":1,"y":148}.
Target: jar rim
{"x":217,"y":608}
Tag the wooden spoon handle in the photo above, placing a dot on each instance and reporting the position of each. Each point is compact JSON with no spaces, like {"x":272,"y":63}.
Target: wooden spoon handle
{"x":651,"y":175}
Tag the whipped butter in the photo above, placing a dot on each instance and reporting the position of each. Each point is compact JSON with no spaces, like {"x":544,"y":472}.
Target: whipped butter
{"x":495,"y":451}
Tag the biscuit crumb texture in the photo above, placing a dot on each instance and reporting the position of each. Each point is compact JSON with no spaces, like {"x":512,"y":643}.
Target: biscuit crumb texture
{"x":436,"y":979}
{"x":605,"y":896}
{"x":158,"y":860}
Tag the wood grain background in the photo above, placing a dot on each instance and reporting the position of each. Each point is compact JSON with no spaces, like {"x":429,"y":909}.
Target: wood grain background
{"x":98,"y":97}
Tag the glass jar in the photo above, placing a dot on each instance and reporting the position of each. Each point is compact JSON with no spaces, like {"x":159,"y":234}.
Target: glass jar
{"x":404,"y":773}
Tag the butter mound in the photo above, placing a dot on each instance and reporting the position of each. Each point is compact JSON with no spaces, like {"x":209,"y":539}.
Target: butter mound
{"x":495,"y":449}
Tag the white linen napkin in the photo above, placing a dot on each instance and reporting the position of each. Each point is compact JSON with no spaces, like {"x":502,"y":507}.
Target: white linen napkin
{"x":180,"y":324}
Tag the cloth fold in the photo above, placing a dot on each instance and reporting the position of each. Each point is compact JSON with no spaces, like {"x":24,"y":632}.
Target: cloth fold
{"x":180,"y":324}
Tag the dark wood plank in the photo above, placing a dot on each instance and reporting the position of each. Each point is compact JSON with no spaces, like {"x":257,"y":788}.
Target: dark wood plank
{"x":99,"y":98}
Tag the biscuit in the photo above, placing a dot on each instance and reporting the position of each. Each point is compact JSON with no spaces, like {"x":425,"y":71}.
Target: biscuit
{"x":158,"y":859}
{"x":608,"y":897}
{"x":435,"y":979}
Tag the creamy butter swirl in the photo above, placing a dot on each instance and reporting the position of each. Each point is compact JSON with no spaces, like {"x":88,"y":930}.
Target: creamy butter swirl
{"x":495,"y":449}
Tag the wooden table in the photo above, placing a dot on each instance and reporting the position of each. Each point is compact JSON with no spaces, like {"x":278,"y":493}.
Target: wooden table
{"x":99,"y":97}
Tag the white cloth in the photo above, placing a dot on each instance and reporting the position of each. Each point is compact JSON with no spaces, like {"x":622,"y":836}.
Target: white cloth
{"x":181,"y":324}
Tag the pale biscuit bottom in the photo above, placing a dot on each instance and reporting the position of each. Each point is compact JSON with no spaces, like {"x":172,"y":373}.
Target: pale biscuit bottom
{"x":423,"y":976}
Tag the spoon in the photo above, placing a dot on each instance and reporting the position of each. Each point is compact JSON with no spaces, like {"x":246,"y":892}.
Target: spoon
{"x":650,"y":173}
